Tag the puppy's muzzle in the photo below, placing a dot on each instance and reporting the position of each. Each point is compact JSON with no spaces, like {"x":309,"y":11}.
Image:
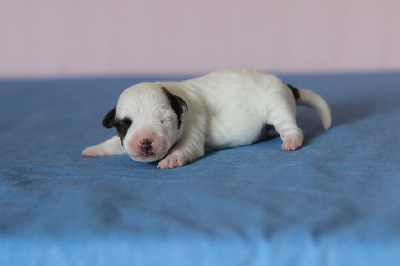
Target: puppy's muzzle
{"x":146,"y":146}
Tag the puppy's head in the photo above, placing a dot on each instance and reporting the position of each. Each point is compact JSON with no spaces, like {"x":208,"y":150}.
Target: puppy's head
{"x":148,"y":119}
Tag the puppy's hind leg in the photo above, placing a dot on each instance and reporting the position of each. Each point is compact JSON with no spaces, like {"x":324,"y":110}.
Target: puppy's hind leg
{"x":282,"y":115}
{"x":109,"y":147}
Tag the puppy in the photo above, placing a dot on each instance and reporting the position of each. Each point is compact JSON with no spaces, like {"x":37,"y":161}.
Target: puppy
{"x":177,"y":122}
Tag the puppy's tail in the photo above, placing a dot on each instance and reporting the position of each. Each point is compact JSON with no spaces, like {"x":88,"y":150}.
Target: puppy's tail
{"x":313,"y":100}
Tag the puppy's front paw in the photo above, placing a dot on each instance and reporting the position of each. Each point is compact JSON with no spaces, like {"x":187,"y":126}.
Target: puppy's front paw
{"x":171,"y":161}
{"x":95,"y":151}
{"x":291,"y":144}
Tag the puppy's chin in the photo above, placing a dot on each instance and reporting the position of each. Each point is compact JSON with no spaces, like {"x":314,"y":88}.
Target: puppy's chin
{"x":148,"y":157}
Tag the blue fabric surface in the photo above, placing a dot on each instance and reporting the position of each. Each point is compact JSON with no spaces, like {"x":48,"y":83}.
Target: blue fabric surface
{"x":334,"y":202}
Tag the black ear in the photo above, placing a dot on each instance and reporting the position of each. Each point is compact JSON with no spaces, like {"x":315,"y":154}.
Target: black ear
{"x":177,"y":104}
{"x":178,"y":101}
{"x":109,"y":119}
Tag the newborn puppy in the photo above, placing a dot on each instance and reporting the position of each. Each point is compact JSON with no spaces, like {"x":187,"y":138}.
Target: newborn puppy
{"x":176,"y":122}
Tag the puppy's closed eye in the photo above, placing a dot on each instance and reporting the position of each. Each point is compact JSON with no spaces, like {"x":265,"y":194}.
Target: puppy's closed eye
{"x":166,"y":120}
{"x":124,"y":123}
{"x":123,"y":126}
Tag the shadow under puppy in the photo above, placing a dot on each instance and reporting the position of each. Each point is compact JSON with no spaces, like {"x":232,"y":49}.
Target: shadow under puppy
{"x":176,"y":122}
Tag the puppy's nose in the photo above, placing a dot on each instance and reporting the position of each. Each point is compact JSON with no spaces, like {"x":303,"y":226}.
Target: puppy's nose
{"x":146,"y":143}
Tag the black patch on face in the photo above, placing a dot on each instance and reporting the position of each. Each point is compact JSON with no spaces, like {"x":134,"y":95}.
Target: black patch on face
{"x":295,"y":91}
{"x":122,"y":127}
{"x":177,"y":104}
{"x":109,"y":119}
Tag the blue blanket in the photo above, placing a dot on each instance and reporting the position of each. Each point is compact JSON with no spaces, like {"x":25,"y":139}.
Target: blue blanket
{"x":333,"y":202}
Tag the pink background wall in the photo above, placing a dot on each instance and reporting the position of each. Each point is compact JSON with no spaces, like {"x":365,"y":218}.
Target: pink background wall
{"x":96,"y":37}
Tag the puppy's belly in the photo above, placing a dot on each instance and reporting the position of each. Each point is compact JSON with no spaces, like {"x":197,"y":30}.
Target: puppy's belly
{"x":223,"y":134}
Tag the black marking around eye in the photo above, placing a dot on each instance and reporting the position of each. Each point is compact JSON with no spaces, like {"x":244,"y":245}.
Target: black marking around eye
{"x":122,"y":127}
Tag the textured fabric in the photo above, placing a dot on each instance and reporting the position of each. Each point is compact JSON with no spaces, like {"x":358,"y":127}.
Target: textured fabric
{"x":334,"y":202}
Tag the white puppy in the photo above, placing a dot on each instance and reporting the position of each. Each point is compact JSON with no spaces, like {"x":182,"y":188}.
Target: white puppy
{"x":176,"y":122}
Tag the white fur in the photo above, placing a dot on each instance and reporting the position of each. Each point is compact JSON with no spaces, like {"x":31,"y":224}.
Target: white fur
{"x":226,"y":108}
